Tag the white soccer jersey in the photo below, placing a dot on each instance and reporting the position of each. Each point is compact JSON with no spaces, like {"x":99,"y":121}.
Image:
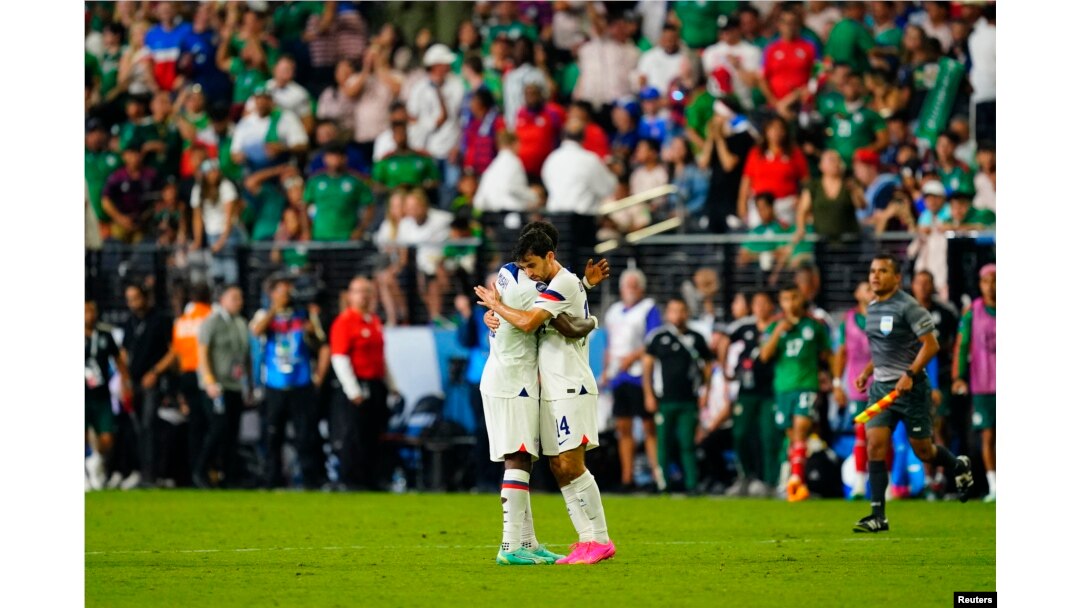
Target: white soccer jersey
{"x":564,"y":362}
{"x":511,"y":367}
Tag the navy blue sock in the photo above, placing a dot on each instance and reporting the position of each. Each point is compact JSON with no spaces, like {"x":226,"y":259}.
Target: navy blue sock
{"x":879,"y":480}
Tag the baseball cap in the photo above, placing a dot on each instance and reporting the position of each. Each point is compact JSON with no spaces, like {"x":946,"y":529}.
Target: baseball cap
{"x":963,"y":193}
{"x":987,"y":269}
{"x":261,"y":90}
{"x":649,"y":94}
{"x":867,"y":156}
{"x":933,"y":188}
{"x":438,"y":54}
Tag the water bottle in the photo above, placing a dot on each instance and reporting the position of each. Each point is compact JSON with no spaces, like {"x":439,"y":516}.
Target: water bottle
{"x":219,"y":405}
{"x":398,"y":484}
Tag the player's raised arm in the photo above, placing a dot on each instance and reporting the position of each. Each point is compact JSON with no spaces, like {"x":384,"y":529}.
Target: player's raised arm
{"x":596,"y":273}
{"x":527,"y":321}
{"x":574,"y":327}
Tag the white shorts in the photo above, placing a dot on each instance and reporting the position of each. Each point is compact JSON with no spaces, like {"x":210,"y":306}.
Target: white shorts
{"x":513,"y":425}
{"x":567,"y":423}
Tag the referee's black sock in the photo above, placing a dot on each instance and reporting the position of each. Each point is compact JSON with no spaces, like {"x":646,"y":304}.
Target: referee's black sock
{"x":879,"y":480}
{"x":944,"y":458}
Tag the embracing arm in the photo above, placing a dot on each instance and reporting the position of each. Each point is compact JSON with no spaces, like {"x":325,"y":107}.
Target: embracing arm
{"x":574,"y":327}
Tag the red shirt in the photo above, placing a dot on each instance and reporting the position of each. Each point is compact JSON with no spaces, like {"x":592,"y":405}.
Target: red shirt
{"x":595,"y":141}
{"x":788,"y":65}
{"x":538,"y":135}
{"x":779,"y":174}
{"x":360,"y":336}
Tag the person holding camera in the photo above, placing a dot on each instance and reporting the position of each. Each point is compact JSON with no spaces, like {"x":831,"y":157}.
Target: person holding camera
{"x":290,"y":343}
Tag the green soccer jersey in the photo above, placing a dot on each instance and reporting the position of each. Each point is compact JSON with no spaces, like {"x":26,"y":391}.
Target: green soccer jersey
{"x":137,"y":133}
{"x":849,"y":42}
{"x":290,"y":18}
{"x":698,"y":20}
{"x":957,"y":179}
{"x":771,"y":229}
{"x":337,"y":201}
{"x":110,"y":70}
{"x":229,"y":169}
{"x":849,"y":131}
{"x":408,"y":168}
{"x":245,"y":80}
{"x":699,"y":112}
{"x":270,"y":203}
{"x":890,"y":38}
{"x":98,"y":167}
{"x":797,"y":355}
{"x":829,"y":103}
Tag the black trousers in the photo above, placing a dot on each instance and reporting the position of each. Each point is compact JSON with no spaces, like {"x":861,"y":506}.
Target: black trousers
{"x":354,"y":433}
{"x":198,"y":424}
{"x":986,"y":121}
{"x":298,"y":406}
{"x":219,"y":446}
{"x":146,"y":403}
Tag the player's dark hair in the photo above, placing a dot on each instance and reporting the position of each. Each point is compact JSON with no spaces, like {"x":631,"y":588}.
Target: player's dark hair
{"x":677,"y":299}
{"x":137,"y":287}
{"x":547,"y":228}
{"x":652,"y":143}
{"x":274,"y":282}
{"x":535,"y":242}
{"x":927,"y":273}
{"x":766,"y":197}
{"x":891,"y":258}
{"x":789,"y":287}
{"x":762,"y":292}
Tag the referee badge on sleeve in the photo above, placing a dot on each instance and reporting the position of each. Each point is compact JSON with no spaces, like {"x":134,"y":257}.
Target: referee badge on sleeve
{"x":886,"y":324}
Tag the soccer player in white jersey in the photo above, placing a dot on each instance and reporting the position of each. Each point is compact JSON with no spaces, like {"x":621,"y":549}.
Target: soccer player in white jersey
{"x":568,"y":389}
{"x":510,"y":391}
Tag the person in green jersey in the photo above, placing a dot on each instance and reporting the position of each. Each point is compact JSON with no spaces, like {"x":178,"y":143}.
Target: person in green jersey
{"x":799,"y":345}
{"x":902,"y":343}
{"x":975,"y":369}
{"x":697,"y":18}
{"x":100,"y":162}
{"x":854,"y":125}
{"x":962,"y":216}
{"x":850,"y":41}
{"x":952,"y":172}
{"x":338,"y":198}
{"x":405,"y":166}
{"x":248,"y":69}
{"x":113,"y":38}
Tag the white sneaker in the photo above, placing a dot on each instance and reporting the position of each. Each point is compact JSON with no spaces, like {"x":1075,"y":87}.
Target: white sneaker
{"x":114,"y":481}
{"x":131,"y":481}
{"x":95,"y":470}
{"x":757,"y":489}
{"x":991,"y":497}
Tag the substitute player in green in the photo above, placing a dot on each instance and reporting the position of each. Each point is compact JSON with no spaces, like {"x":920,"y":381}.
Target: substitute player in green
{"x":976,"y":360}
{"x":799,"y":344}
{"x":902,"y":343}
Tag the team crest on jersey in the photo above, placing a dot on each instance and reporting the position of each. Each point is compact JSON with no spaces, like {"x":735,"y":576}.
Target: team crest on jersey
{"x":807,"y":333}
{"x":347,"y":187}
{"x":886,"y":324}
{"x":541,"y":286}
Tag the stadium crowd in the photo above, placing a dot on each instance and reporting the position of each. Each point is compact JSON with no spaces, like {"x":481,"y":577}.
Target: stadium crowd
{"x":216,"y":125}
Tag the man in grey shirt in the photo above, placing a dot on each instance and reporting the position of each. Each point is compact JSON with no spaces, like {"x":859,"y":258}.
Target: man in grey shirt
{"x":902,"y":343}
{"x":224,"y":373}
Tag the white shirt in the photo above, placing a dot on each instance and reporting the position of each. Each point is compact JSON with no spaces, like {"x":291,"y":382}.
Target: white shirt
{"x":576,"y":180}
{"x":503,"y":186}
{"x":514,"y":91}
{"x":746,"y":55}
{"x":213,"y":213}
{"x":660,"y":68}
{"x":252,"y":130}
{"x":982,"y":45}
{"x":427,"y":237}
{"x":291,"y":97}
{"x":625,"y":327}
{"x":423,"y":105}
{"x":511,"y":366}
{"x":564,"y":362}
{"x":985,"y":194}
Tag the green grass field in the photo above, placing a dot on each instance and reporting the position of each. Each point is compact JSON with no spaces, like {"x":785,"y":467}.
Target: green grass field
{"x":186,"y":548}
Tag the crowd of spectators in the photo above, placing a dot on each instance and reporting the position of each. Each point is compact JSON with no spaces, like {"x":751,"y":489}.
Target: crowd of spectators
{"x":211,"y":125}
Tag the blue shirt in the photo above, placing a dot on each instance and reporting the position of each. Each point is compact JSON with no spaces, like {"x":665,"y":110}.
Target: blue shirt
{"x":286,"y":355}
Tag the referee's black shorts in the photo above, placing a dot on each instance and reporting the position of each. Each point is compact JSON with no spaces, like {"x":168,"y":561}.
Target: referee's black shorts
{"x":629,"y":401}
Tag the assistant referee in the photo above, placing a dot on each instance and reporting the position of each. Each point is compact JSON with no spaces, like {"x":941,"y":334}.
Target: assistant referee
{"x":902,"y":343}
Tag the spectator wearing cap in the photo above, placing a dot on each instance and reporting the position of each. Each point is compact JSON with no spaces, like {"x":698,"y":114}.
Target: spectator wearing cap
{"x":853,"y":125}
{"x":930,"y":247}
{"x":879,"y":187}
{"x":698,"y":20}
{"x":267,"y":135}
{"x":661,"y":65}
{"x":99,"y":164}
{"x":777,"y":166}
{"x":539,"y":123}
{"x":655,"y":122}
{"x":164,"y":42}
{"x":596,"y":140}
{"x":789,"y":64}
{"x":215,"y":205}
{"x":850,"y":41}
{"x":128,"y":197}
{"x":504,"y":186}
{"x":963,"y":216}
{"x":287,"y":93}
{"x":733,"y":63}
{"x":342,"y":205}
{"x":434,"y":106}
{"x":478,"y":137}
{"x":606,"y":63}
{"x":524,"y":73}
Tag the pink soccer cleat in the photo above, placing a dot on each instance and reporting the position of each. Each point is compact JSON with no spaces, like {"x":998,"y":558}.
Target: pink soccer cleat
{"x":589,"y":553}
